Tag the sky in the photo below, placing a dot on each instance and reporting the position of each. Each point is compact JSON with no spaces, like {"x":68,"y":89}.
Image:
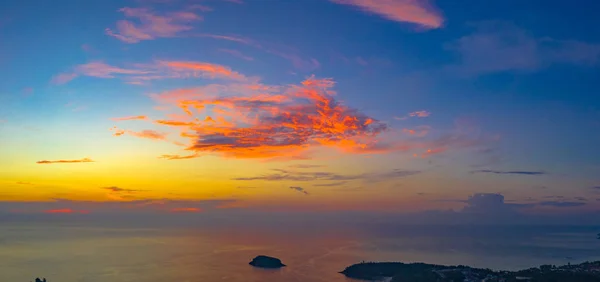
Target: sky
{"x":317,"y":106}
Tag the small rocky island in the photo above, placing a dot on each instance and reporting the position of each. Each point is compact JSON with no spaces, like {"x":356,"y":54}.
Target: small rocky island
{"x":423,"y":272}
{"x":266,"y":262}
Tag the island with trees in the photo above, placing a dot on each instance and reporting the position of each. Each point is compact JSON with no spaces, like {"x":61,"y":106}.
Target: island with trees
{"x":422,"y":272}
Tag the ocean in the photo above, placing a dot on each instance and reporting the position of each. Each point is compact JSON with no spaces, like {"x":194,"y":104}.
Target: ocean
{"x":100,"y":254}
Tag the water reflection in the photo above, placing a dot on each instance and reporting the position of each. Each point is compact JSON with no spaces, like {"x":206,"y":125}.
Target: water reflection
{"x":70,"y":254}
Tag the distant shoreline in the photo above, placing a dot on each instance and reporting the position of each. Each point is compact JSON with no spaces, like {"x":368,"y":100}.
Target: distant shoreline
{"x":423,"y":272}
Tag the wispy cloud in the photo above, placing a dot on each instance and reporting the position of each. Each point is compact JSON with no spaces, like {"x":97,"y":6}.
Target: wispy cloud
{"x":63,"y":78}
{"x":119,"y":189}
{"x":65,"y":211}
{"x":417,"y":114}
{"x":286,"y":52}
{"x":121,"y":194}
{"x":418,"y":12}
{"x":287,"y":175}
{"x":299,"y":189}
{"x":179,"y":157}
{"x":157,"y":70}
{"x":186,"y":210}
{"x":148,"y":134}
{"x":305,"y":166}
{"x":497,"y":46}
{"x":331,"y":184}
{"x":147,"y":24}
{"x":130,"y":118}
{"x":419,"y":131}
{"x":236,"y":54}
{"x":84,"y":160}
{"x":420,"y":114}
{"x":113,"y":205}
{"x":204,"y":69}
{"x":510,"y":172}
{"x":559,"y":204}
{"x":103,"y":70}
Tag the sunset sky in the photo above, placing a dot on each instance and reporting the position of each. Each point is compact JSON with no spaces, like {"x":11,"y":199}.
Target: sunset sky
{"x":187,"y":106}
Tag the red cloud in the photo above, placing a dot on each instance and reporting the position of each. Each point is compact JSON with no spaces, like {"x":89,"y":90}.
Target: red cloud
{"x":65,"y":211}
{"x":418,"y":12}
{"x":85,"y":160}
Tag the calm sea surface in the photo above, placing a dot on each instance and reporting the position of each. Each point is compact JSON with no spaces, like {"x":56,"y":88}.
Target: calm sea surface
{"x":73,"y":254}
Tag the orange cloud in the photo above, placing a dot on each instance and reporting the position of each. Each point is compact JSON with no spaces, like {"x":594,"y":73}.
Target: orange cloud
{"x":417,"y":12}
{"x":204,"y":69}
{"x":148,"y":134}
{"x":149,"y":25}
{"x":433,"y":151}
{"x":131,"y":118}
{"x":186,"y":210}
{"x":84,"y":160}
{"x":255,"y":124}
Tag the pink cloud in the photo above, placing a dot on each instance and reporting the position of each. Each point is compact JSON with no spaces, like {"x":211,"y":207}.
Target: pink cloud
{"x":63,"y":78}
{"x":27,"y":91}
{"x":420,"y":114}
{"x":102,"y":70}
{"x":142,"y":73}
{"x":150,"y":25}
{"x":418,"y":12}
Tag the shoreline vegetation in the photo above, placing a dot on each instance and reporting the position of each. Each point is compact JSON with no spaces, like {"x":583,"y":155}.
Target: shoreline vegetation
{"x":423,"y":272}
